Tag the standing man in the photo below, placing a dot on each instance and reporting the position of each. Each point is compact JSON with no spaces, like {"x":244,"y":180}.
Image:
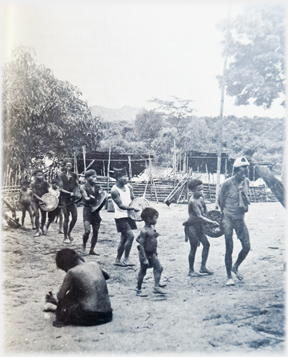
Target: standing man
{"x":122,"y":195}
{"x":68,"y":183}
{"x":94,"y":198}
{"x":233,"y":202}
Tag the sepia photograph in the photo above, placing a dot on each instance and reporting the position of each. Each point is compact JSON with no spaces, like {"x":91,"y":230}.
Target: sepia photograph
{"x":144,"y":173}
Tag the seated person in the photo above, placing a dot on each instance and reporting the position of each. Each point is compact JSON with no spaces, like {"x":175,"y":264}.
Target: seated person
{"x":83,"y":297}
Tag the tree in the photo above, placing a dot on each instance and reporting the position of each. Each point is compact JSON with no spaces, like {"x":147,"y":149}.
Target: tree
{"x":41,"y":113}
{"x":148,"y":125}
{"x":256,"y":55}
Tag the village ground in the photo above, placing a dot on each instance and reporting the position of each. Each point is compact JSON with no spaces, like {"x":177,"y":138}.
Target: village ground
{"x":197,"y":314}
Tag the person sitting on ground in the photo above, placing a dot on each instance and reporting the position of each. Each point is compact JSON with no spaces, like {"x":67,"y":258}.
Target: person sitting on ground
{"x":233,"y":202}
{"x":122,"y":195}
{"x":25,"y":202}
{"x":39,"y":188}
{"x":83,"y":297}
{"x":91,"y":192}
{"x":57,"y":212}
{"x":147,"y":248}
{"x":194,"y":230}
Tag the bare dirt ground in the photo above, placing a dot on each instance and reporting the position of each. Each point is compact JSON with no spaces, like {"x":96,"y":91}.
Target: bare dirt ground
{"x":197,"y":315}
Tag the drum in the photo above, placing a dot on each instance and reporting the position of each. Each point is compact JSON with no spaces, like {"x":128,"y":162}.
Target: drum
{"x":138,"y":203}
{"x":77,"y":194}
{"x":50,"y":202}
{"x":99,"y":202}
{"x":209,"y":229}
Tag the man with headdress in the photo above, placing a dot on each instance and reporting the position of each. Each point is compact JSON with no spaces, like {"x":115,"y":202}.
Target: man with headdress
{"x":233,"y":202}
{"x":68,"y":183}
{"x":94,"y":199}
{"x":122,"y":195}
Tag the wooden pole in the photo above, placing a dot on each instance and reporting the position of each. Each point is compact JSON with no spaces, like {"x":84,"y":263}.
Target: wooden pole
{"x":84,"y":157}
{"x":220,"y":138}
{"x":108,"y":169}
{"x":75,"y":163}
{"x":130,"y":166}
{"x":225,"y":174}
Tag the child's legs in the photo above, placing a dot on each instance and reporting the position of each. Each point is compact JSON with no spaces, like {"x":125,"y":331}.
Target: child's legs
{"x":157,"y":269}
{"x":37,"y":215}
{"x":141,"y":275}
{"x":206,"y":245}
{"x":30,"y":210}
{"x":23,"y":209}
{"x":192,"y":234}
{"x":86,"y":232}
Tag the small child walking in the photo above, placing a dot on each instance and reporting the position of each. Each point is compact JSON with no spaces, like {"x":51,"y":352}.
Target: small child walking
{"x":25,"y":203}
{"x":147,"y":247}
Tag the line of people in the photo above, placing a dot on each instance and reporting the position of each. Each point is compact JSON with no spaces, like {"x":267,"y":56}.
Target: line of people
{"x":233,"y":202}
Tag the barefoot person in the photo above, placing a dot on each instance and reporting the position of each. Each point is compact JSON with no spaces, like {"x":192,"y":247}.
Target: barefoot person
{"x":147,"y":247}
{"x":91,"y":192}
{"x":39,"y":188}
{"x":68,"y":182}
{"x":194,"y":227}
{"x":25,"y":202}
{"x":83,"y":297}
{"x":233,"y":202}
{"x":122,"y":195}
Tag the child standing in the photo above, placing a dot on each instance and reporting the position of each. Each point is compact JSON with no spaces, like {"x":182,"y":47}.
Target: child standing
{"x":54,"y":189}
{"x":194,"y":230}
{"x":25,"y":202}
{"x":39,"y":188}
{"x":147,"y":247}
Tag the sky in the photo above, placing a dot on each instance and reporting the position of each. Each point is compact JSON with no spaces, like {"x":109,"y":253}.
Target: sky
{"x":124,"y":53}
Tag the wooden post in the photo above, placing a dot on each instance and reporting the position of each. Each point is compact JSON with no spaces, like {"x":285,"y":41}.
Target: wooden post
{"x":108,"y":169}
{"x":220,"y":138}
{"x":103,"y":162}
{"x":84,"y":157}
{"x":225,"y":173}
{"x":130,"y":166}
{"x":174,"y":161}
{"x":75,"y":163}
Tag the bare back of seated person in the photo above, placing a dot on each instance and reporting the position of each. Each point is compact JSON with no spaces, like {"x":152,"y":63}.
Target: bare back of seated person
{"x":89,"y":286}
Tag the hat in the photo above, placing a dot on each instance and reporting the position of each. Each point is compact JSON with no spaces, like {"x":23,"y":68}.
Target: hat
{"x":89,"y":173}
{"x":241,"y":161}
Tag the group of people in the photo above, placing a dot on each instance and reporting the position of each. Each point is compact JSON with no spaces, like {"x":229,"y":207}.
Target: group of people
{"x":83,"y":297}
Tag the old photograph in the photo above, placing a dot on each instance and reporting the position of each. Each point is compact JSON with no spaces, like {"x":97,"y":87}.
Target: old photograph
{"x":143,"y":177}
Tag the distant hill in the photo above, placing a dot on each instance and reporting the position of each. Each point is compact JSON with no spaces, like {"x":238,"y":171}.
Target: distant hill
{"x":125,"y":113}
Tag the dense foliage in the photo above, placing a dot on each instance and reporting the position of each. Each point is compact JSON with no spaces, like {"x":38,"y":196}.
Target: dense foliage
{"x":42,"y":115}
{"x":261,"y":139}
{"x":256,"y":54}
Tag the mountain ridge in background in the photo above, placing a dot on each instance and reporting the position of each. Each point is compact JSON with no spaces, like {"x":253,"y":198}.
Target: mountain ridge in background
{"x":114,"y":115}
